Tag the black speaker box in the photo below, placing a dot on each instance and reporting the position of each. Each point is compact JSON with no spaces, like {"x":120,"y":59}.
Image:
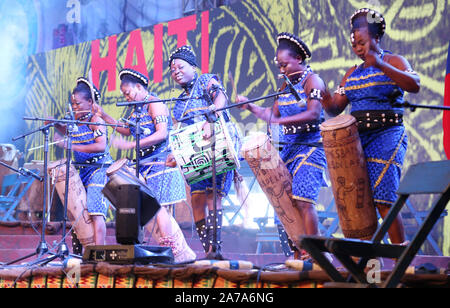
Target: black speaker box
{"x":135,"y":206}
{"x":128,"y":254}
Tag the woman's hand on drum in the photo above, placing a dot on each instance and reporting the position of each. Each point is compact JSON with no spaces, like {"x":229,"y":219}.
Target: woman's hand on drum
{"x":170,"y":161}
{"x":207,"y":130}
{"x":242,"y":99}
{"x":121,"y":143}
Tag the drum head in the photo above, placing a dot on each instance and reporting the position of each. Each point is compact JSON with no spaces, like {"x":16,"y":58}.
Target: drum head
{"x":116,"y":166}
{"x":341,"y":121}
{"x":254,"y":141}
{"x":57,"y":164}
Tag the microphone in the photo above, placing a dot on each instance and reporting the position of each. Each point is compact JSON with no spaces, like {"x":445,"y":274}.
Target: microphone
{"x":72,"y":116}
{"x":291,"y":88}
{"x":393,"y":98}
{"x":73,"y":127}
{"x":27,"y":172}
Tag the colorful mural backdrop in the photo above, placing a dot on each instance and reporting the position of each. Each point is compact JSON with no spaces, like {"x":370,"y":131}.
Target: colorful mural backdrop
{"x":239,"y":42}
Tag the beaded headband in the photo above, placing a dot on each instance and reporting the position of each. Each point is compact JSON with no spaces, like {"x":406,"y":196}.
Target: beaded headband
{"x":372,"y":17}
{"x":136,"y":74}
{"x":94,"y":91}
{"x":297,"y":41}
{"x":184,"y":53}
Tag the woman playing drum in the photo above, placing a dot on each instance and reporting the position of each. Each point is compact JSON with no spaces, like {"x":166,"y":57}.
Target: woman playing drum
{"x":203,"y":91}
{"x":89,"y":145}
{"x":166,"y":183}
{"x":373,"y":89}
{"x":300,"y":124}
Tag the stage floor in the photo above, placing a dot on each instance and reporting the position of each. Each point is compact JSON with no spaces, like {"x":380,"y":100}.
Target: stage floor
{"x":260,"y":270}
{"x":104,"y":275}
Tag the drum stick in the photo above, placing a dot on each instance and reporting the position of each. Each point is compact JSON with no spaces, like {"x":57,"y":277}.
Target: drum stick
{"x":233,"y":85}
{"x":51,"y":143}
{"x":80,"y":111}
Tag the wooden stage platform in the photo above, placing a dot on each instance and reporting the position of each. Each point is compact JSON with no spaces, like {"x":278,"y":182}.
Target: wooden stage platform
{"x":267,"y":270}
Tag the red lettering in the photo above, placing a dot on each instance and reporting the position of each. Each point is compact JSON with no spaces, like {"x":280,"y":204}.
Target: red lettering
{"x":107,"y":63}
{"x":180,"y":28}
{"x":205,"y":42}
{"x":135,"y":47}
{"x":158,"y":53}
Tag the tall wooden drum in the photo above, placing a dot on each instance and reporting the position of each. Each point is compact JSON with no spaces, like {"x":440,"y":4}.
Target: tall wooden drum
{"x":76,"y":200}
{"x":349,"y":178}
{"x":275,"y":180}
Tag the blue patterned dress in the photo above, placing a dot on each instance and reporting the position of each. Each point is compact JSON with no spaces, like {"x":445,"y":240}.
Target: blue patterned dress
{"x":198,"y":105}
{"x":166,"y":183}
{"x":385,"y":148}
{"x":94,"y":178}
{"x":306,"y":164}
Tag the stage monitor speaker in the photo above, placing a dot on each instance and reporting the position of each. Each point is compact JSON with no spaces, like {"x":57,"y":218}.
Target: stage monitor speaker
{"x":128,"y":254}
{"x":135,"y":206}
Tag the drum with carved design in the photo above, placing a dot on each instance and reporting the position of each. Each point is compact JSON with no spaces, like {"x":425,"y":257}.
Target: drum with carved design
{"x":76,"y":200}
{"x":349,"y":177}
{"x":275,"y":180}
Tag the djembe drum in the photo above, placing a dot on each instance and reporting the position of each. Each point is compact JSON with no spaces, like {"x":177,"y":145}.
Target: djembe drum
{"x":76,"y":200}
{"x":275,"y":180}
{"x":349,"y":178}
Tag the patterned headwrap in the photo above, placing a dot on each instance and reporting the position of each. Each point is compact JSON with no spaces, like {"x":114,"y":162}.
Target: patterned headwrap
{"x":184,"y":53}
{"x":95,"y":93}
{"x":141,"y":78}
{"x":376,"y":22}
{"x":293,"y":39}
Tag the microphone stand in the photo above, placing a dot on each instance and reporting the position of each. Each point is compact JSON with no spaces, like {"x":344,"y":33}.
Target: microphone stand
{"x":287,"y":91}
{"x":122,"y":104}
{"x":22,"y":171}
{"x":211,"y":118}
{"x":215,"y":254}
{"x":138,"y":106}
{"x":63,"y":251}
{"x":42,"y":247}
{"x":413,"y":107}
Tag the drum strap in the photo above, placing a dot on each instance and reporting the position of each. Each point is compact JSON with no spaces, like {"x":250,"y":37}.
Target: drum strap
{"x":95,"y":159}
{"x":376,"y":119}
{"x":147,"y":151}
{"x":303,"y":128}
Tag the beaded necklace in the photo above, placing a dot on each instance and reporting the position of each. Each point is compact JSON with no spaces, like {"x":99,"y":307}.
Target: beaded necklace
{"x":303,"y":76}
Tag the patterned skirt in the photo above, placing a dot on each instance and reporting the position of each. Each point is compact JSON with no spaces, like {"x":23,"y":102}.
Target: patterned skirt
{"x":385,"y":151}
{"x":307,"y":166}
{"x":166,"y":183}
{"x":94,"y":179}
{"x":223,"y":184}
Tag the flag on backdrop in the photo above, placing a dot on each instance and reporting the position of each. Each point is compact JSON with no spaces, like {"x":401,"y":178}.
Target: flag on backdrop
{"x":446,"y":119}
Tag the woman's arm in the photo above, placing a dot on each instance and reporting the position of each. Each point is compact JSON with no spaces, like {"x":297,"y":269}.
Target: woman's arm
{"x":399,"y":70}
{"x":314,"y":107}
{"x":99,"y":144}
{"x":99,"y":111}
{"x":335,"y":104}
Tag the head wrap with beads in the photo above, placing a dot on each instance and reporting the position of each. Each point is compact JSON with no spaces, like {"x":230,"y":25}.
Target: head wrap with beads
{"x":139,"y":77}
{"x":95,"y":93}
{"x":304,"y":51}
{"x":184,"y":53}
